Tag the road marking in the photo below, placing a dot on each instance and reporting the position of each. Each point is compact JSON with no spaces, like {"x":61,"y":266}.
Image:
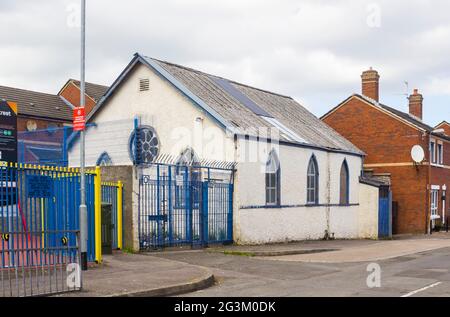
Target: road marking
{"x":422,"y":289}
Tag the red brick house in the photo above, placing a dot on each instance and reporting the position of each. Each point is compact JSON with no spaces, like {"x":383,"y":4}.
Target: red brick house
{"x":444,"y":125}
{"x":71,"y":93}
{"x":387,"y":136}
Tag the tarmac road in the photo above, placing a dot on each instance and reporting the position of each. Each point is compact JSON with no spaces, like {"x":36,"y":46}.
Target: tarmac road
{"x":420,"y":274}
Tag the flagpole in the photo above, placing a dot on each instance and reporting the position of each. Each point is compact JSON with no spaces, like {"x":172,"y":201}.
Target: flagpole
{"x":83,"y":207}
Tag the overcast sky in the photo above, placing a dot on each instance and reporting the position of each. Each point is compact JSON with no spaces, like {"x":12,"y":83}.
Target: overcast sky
{"x":311,"y":50}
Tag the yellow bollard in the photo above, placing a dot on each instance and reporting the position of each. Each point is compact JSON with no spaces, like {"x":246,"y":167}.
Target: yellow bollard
{"x":119,"y":215}
{"x":98,"y":215}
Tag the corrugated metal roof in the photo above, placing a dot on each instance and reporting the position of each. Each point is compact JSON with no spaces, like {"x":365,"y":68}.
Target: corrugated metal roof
{"x":37,"y":104}
{"x":284,"y":109}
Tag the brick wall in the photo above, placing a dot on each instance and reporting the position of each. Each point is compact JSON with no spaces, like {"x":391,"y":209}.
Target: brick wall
{"x":41,"y":123}
{"x":72,"y":94}
{"x":440,"y":176}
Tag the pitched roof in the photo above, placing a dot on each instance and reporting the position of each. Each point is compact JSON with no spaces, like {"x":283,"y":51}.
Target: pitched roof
{"x":402,"y":115}
{"x":94,"y":91}
{"x":443,"y":123}
{"x":37,"y":104}
{"x":244,"y":109}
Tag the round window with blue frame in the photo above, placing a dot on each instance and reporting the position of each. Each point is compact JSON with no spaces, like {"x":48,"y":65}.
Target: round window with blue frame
{"x":144,"y":145}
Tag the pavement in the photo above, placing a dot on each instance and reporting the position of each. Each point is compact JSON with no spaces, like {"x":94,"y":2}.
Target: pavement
{"x":381,"y":250}
{"x":341,"y":251}
{"x":136,"y":275}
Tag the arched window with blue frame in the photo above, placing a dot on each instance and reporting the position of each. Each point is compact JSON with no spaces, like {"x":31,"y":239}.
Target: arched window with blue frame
{"x":104,"y":160}
{"x":312,"y":188}
{"x":273,"y":173}
{"x":344,"y":192}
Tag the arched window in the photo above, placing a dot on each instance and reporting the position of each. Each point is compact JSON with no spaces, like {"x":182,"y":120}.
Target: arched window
{"x":189,"y":171}
{"x":312,"y":189}
{"x":273,"y":171}
{"x":104,"y":160}
{"x":344,"y":184}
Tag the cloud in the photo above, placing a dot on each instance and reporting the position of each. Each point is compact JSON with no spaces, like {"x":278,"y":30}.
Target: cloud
{"x":313,"y":50}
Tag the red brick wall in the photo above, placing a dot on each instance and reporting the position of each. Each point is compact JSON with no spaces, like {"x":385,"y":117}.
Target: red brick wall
{"x":441,"y":176}
{"x":446,"y":128}
{"x":41,"y":124}
{"x":72,"y":94}
{"x":386,"y":140}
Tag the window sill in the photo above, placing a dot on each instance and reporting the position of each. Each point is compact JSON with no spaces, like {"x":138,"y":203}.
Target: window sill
{"x":296,"y":206}
{"x":437,"y":165}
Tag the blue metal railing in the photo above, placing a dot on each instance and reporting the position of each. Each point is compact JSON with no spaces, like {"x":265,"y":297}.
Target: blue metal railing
{"x":39,"y":214}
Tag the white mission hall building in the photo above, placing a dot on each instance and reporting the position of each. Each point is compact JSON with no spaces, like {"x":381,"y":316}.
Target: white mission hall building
{"x":291,"y":176}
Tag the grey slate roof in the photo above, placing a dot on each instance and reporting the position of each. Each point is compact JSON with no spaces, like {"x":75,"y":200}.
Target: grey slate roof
{"x":406,"y":116}
{"x":283,"y":108}
{"x":94,"y":91}
{"x":44,"y":105}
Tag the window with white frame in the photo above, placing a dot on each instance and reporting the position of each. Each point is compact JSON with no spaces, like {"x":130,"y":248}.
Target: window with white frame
{"x":273,"y":171}
{"x":434,"y":202}
{"x":433,"y":151}
{"x":440,"y":153}
{"x":312,"y":189}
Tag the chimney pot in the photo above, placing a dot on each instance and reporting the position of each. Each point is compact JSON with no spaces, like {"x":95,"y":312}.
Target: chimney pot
{"x":370,"y":84}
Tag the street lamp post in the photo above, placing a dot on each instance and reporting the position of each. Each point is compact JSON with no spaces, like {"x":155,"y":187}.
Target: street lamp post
{"x":83,"y":207}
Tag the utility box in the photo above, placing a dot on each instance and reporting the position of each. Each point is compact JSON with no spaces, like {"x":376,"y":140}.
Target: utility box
{"x":107,"y":229}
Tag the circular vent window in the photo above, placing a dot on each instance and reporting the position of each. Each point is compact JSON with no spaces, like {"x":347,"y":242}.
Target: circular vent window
{"x":144,"y":145}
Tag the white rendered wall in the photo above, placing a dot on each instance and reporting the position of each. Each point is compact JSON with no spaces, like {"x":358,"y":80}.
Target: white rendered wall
{"x":256,"y":224}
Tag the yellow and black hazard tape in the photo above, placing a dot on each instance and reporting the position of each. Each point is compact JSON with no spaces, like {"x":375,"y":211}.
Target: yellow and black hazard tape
{"x":5,"y":236}
{"x":64,"y":240}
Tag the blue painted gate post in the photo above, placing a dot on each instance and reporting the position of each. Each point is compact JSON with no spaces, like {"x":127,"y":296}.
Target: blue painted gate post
{"x":204,"y":214}
{"x":230,"y":214}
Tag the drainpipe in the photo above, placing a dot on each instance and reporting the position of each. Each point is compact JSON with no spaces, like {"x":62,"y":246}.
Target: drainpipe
{"x":328,"y":208}
{"x":427,"y":192}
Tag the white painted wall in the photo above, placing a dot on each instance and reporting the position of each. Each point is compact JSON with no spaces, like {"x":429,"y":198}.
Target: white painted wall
{"x":256,"y":224}
{"x":368,"y":212}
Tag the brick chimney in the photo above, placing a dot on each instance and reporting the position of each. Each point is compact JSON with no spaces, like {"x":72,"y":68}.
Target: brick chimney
{"x":416,"y":104}
{"x":370,"y":84}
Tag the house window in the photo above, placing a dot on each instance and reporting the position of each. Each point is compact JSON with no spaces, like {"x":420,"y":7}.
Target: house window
{"x":312,"y":189}
{"x":433,"y":152}
{"x":434,"y":203}
{"x":440,"y":154}
{"x":273,"y":180}
{"x":344,"y":184}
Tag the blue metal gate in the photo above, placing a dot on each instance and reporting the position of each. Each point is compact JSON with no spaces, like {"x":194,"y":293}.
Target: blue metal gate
{"x":185,"y":205}
{"x":385,"y":213}
{"x":39,"y":227}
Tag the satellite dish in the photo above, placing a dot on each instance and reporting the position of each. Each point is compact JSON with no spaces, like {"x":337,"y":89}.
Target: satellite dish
{"x":417,"y":154}
{"x":31,"y":125}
